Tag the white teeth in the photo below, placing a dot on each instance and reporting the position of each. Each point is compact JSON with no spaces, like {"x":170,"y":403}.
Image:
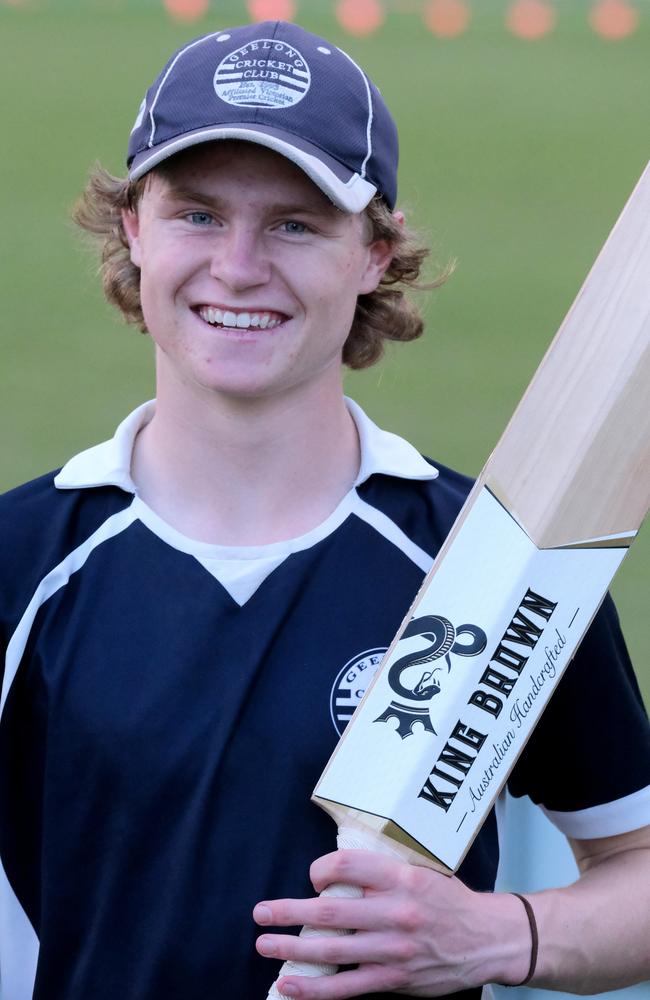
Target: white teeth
{"x":239,"y":321}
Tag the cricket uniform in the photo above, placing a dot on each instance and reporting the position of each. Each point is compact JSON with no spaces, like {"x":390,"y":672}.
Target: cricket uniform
{"x":168,"y":705}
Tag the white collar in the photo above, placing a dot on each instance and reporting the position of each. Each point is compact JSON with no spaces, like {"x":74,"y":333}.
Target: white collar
{"x":109,"y":463}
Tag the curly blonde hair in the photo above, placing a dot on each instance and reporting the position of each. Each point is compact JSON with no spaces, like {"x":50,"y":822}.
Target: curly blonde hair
{"x":385,"y":314}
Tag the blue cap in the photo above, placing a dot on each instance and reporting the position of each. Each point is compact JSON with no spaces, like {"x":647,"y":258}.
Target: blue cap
{"x":275,"y":84}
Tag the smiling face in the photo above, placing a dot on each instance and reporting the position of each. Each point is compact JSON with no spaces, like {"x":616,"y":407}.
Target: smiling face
{"x":249,"y":275}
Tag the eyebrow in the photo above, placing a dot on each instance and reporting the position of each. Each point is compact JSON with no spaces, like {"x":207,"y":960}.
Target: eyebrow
{"x":181,"y":192}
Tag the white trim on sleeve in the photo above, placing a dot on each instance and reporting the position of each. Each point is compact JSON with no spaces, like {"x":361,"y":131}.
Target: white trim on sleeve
{"x":607,"y":820}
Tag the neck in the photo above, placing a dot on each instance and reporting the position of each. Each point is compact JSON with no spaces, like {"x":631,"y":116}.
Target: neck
{"x":247,"y":472}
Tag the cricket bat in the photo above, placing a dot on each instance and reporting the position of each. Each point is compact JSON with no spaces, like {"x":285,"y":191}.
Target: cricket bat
{"x":514,"y":587}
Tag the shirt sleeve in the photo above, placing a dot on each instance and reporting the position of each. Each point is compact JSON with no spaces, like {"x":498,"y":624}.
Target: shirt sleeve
{"x":588,"y":761}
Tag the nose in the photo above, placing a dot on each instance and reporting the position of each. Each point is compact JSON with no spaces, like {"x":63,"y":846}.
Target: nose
{"x":240,"y":259}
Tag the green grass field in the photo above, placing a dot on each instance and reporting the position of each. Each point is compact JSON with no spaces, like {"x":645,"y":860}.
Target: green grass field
{"x":517,"y":158}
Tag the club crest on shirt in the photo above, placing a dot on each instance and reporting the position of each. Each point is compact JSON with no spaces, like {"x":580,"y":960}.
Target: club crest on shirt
{"x":419,"y":674}
{"x":350,"y":685}
{"x":266,"y":73}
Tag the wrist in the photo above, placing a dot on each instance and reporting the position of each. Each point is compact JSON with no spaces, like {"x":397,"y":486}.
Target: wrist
{"x":534,"y":937}
{"x":515,"y":931}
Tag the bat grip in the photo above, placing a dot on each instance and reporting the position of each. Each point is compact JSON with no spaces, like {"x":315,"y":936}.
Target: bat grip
{"x":347,"y":839}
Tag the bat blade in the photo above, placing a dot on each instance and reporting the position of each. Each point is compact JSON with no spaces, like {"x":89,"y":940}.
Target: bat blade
{"x":516,"y":583}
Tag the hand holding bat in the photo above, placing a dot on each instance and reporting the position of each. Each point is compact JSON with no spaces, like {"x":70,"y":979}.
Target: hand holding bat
{"x":416,"y":930}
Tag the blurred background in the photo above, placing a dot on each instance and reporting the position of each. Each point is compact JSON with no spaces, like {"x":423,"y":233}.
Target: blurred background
{"x":524,"y":126}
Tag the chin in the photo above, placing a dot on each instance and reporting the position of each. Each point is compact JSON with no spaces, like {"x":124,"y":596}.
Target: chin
{"x":241,"y":388}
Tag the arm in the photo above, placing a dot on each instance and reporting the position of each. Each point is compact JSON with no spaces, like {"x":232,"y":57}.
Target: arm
{"x":422,"y":934}
{"x":595,"y":934}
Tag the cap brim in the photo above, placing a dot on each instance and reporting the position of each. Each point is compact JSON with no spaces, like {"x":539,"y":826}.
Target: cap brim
{"x":348,"y":191}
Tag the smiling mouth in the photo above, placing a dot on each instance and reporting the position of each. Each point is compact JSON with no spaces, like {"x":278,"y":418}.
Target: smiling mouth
{"x":241,"y":320}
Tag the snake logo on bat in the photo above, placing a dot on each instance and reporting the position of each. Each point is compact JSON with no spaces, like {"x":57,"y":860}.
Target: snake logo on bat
{"x":420,"y":674}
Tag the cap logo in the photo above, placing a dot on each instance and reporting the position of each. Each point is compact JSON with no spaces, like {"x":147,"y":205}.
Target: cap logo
{"x":265,"y":73}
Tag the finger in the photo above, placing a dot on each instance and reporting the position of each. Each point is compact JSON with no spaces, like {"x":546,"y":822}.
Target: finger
{"x":368,"y":869}
{"x":358,"y":982}
{"x":326,"y":912}
{"x":348,"y":949}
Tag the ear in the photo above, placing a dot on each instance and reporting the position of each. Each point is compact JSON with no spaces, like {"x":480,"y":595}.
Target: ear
{"x":131,"y":224}
{"x":380,"y":255}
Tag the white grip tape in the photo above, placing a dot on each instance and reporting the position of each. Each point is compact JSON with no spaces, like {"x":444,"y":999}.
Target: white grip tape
{"x":347,"y":839}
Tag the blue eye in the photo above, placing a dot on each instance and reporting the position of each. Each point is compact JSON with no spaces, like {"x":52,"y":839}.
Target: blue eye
{"x":200,"y":218}
{"x":296,"y":228}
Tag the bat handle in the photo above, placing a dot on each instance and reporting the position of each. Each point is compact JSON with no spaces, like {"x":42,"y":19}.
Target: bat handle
{"x":347,"y":838}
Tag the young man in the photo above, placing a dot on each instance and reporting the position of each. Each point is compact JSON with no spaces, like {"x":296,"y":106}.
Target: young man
{"x":188,"y":606}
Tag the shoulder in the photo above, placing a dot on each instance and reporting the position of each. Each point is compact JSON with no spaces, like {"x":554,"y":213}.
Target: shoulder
{"x":37,"y":510}
{"x":425,"y":509}
{"x":26,"y":513}
{"x":451,"y":487}
{"x":39,"y":526}
{"x":588,"y":761}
